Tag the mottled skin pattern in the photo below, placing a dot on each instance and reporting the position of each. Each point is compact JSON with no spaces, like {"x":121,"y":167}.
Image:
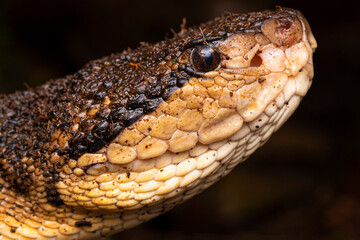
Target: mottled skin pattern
{"x":131,"y":135}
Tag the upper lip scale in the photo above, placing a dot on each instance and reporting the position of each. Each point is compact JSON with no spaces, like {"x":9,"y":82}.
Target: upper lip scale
{"x":250,"y":71}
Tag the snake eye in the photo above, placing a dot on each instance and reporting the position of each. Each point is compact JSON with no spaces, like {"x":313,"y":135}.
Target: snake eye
{"x":204,"y":58}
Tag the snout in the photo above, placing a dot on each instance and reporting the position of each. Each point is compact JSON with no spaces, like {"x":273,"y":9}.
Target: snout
{"x":288,"y":30}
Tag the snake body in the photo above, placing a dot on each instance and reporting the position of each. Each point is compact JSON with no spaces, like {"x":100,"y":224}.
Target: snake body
{"x":130,"y":136}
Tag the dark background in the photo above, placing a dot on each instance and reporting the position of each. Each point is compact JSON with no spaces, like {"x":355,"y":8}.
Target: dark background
{"x":303,"y":184}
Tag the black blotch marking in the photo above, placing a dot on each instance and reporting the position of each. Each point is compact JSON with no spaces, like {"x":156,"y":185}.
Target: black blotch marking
{"x":83,"y":223}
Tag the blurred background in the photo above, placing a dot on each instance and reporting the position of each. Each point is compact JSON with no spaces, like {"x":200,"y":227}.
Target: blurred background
{"x":303,"y":184}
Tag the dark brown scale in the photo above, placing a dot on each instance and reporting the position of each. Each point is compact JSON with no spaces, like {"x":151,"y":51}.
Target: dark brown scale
{"x":135,"y":81}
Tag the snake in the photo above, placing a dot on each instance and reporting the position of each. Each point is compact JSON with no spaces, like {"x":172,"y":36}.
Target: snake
{"x":131,"y":135}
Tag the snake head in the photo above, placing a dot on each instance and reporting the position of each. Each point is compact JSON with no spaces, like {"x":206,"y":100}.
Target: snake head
{"x":131,"y":135}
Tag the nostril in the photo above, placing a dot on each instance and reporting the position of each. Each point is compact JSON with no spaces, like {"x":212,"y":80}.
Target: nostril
{"x":256,"y":61}
{"x":283,"y":31}
{"x":283,"y":25}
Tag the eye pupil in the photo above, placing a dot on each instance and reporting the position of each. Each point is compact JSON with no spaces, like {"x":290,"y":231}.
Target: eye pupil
{"x":205,"y":58}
